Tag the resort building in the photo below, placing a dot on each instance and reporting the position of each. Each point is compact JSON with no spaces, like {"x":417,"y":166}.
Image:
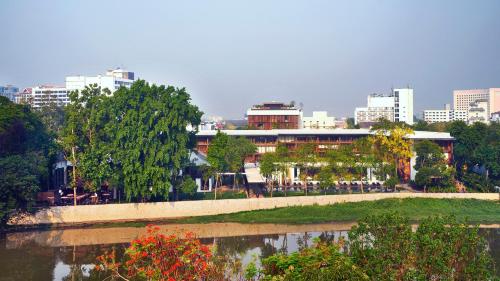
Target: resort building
{"x":274,"y":115}
{"x":445,"y":115}
{"x":323,"y":139}
{"x":9,"y":92}
{"x":395,"y":107}
{"x":112,"y":80}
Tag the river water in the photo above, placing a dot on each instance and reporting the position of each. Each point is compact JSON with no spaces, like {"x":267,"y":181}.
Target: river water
{"x":69,"y":254}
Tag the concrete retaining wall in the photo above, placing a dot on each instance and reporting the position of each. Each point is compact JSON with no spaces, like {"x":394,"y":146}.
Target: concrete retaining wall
{"x":166,"y":210}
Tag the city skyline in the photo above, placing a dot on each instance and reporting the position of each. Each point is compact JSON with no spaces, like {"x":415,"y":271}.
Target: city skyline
{"x":328,"y":56}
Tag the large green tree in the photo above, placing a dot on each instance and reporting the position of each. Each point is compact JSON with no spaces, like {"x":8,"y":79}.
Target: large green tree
{"x":24,"y":149}
{"x":150,"y":141}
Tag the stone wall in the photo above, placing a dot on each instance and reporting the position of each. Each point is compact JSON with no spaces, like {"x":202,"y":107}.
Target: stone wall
{"x":168,"y":210}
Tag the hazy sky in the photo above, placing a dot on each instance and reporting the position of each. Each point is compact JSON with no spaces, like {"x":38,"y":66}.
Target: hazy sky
{"x":231,"y":54}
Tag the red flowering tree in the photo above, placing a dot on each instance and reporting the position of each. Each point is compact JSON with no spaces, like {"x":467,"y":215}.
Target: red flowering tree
{"x":160,"y":257}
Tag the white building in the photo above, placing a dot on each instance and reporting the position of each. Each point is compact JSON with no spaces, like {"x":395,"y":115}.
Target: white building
{"x":396,"y":107}
{"x":319,"y":120}
{"x":403,"y":105}
{"x":445,"y":115}
{"x":478,"y":111}
{"x":112,"y":81}
{"x":47,"y":94}
{"x":462,"y":99}
{"x":495,"y":116}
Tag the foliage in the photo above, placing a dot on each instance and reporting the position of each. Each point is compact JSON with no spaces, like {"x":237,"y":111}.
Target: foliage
{"x":320,"y":262}
{"x":188,"y":186}
{"x":19,"y":181}
{"x":150,"y":141}
{"x":476,"y":151}
{"x":227,"y":154}
{"x":383,"y":246}
{"x":24,"y":151}
{"x":392,"y":143}
{"x":433,"y":173}
{"x":442,"y":248}
{"x":156,"y":256}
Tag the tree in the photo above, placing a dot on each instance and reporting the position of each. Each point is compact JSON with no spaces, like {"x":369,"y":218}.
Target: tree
{"x":341,"y":161}
{"x":325,"y":178}
{"x":365,"y":158}
{"x":430,"y":163}
{"x":188,"y":186}
{"x":84,"y":138}
{"x":227,"y":153}
{"x":149,"y":140}
{"x":392,"y":144}
{"x":268,"y":168}
{"x":429,"y":154}
{"x":238,"y":149}
{"x":306,"y":158}
{"x":24,"y":150}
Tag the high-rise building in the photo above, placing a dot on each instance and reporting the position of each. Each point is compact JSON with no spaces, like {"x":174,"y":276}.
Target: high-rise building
{"x":396,"y":107}
{"x":445,"y":115}
{"x":462,"y":99}
{"x":112,"y":80}
{"x":9,"y":92}
{"x":274,"y":115}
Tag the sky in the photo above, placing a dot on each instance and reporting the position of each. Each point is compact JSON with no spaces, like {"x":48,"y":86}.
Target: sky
{"x":229,"y":55}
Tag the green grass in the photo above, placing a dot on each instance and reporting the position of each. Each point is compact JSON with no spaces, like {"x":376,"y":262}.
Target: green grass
{"x":476,"y":211}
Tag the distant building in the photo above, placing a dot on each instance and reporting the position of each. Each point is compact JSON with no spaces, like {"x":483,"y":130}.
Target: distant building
{"x":24,"y":97}
{"x":396,"y":107}
{"x":112,"y":80}
{"x":478,"y":111}
{"x":464,"y":99}
{"x":495,"y":117}
{"x":47,"y":94}
{"x":274,"y":115}
{"x":9,"y":92}
{"x":319,"y":120}
{"x":445,"y":115}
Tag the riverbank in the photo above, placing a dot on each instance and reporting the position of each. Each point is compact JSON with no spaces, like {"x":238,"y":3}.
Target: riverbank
{"x":476,"y":211}
{"x":249,"y":209}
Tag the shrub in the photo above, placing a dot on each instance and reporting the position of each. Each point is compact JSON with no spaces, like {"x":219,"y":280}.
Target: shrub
{"x":159,"y":257}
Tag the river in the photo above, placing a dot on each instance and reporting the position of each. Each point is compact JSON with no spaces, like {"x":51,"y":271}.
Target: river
{"x":69,"y":254}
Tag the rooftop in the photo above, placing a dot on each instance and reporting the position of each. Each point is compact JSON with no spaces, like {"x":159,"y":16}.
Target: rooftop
{"x":337,"y":131}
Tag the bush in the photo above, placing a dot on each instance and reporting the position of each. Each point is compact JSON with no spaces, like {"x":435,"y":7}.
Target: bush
{"x":159,"y":257}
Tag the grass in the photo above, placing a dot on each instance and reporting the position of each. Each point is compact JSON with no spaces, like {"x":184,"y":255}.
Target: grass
{"x":476,"y":211}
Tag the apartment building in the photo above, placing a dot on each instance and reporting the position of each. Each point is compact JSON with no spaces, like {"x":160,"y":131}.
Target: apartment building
{"x":396,"y":106}
{"x":462,"y":99}
{"x":112,"y":80}
{"x":274,"y":115}
{"x":46,"y":94}
{"x":445,"y":115}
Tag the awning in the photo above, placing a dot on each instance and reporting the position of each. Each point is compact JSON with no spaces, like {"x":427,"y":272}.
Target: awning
{"x":253,"y":174}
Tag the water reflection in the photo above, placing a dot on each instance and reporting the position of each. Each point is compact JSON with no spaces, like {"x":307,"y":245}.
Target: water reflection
{"x":34,"y":259}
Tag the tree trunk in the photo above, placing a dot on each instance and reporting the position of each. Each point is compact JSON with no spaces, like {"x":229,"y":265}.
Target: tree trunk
{"x":362,"y":191}
{"x":73,"y":152}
